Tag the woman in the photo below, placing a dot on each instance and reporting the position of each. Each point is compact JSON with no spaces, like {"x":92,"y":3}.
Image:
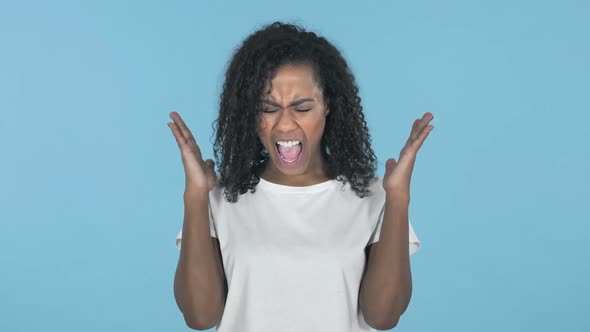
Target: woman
{"x":304,"y":236}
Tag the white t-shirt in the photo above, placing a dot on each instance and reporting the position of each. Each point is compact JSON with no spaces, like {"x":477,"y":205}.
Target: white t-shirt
{"x":294,"y":256}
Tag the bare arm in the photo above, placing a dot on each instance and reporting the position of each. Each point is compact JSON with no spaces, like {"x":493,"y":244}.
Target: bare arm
{"x":386,"y":287}
{"x":199,"y":283}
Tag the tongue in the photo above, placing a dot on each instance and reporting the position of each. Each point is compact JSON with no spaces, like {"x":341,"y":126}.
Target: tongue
{"x":290,"y":152}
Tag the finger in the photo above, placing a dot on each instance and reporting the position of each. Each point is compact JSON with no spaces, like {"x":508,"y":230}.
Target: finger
{"x":424,"y":120}
{"x":182,"y":126}
{"x":390,"y":163}
{"x":414,"y":132}
{"x":423,"y":136}
{"x":210,"y":163}
{"x":180,"y":140}
{"x":421,"y":124}
{"x":176,"y":125}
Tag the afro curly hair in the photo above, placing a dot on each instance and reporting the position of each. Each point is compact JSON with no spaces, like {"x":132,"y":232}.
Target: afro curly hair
{"x":345,"y":144}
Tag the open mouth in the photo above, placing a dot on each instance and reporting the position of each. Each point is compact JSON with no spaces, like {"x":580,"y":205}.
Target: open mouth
{"x":290,"y":155}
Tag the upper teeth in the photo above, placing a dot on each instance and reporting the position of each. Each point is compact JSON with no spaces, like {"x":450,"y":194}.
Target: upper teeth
{"x":287,"y":143}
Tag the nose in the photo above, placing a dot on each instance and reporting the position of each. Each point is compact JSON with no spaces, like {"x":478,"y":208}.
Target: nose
{"x":286,"y":121}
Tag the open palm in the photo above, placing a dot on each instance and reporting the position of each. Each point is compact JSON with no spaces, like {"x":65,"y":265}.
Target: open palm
{"x":398,"y":174}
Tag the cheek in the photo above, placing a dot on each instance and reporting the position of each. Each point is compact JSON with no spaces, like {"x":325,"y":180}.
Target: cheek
{"x":317,"y":129}
{"x":260,"y":125}
{"x":263,"y":128}
{"x":263,"y":123}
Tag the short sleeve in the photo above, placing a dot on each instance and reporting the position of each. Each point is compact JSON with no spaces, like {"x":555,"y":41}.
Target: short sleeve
{"x":414,"y":242}
{"x":211,"y":227}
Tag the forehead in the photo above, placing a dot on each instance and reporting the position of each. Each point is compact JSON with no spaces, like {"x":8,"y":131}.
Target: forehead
{"x":291,"y":81}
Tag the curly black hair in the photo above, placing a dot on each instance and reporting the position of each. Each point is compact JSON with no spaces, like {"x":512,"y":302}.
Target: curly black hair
{"x":345,"y":144}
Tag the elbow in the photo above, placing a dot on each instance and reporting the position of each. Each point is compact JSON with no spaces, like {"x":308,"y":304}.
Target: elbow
{"x":199,"y":313}
{"x":197,"y":323}
{"x":200,"y":319}
{"x":387,"y":323}
{"x":380,"y":317}
{"x":385,"y":312}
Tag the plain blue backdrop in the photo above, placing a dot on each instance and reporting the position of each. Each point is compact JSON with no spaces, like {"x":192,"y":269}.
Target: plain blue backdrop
{"x":91,"y":179}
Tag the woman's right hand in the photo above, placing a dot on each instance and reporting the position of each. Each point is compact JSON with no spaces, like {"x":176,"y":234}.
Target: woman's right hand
{"x":199,"y":174}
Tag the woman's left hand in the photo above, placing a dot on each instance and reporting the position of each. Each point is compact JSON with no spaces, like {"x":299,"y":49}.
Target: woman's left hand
{"x":396,"y":180}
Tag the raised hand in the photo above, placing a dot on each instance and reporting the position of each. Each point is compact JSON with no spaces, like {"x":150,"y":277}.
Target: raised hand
{"x":199,"y":174}
{"x":396,"y":180}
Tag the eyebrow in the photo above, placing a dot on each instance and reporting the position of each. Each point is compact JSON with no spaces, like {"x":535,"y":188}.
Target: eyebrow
{"x":295,"y":103}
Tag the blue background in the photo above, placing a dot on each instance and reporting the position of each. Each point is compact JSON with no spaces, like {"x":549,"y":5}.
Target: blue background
{"x":91,"y":178}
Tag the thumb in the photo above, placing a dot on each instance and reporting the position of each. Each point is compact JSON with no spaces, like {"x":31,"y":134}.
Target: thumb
{"x":210,"y":163}
{"x":390,"y":165}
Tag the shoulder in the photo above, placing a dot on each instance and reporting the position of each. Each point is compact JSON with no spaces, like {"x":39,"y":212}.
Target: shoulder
{"x":376,"y":184}
{"x":216,"y":195}
{"x":375,"y":187}
{"x":375,"y":192}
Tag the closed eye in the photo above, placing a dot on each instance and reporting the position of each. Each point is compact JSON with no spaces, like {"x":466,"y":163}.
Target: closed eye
{"x":273,"y":111}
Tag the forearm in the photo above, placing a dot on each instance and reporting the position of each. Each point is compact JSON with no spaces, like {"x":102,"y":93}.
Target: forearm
{"x":198,"y":282}
{"x":387,"y":285}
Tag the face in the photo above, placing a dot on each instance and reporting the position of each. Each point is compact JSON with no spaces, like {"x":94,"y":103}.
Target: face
{"x":294,"y":117}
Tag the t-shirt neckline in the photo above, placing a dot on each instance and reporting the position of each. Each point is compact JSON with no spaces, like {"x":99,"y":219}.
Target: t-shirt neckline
{"x":271,"y":186}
